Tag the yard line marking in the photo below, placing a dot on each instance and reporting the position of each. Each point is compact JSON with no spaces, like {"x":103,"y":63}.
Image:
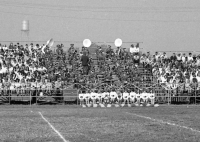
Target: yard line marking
{"x":164,"y":122}
{"x":59,"y":134}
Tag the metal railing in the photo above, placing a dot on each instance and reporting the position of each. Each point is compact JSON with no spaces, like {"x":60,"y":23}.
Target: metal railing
{"x":38,"y":96}
{"x":163,"y":94}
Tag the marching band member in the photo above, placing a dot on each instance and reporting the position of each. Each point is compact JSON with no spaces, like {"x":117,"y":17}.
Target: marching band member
{"x":119,"y":96}
{"x":113,"y":96}
{"x":148,"y":103}
{"x":93,"y":97}
{"x":107,"y":97}
{"x":81,"y":98}
{"x":96,"y":98}
{"x":152,"y":98}
{"x":100,"y":96}
{"x":144,"y":98}
{"x":138,"y":98}
{"x":87,"y":97}
{"x":132,"y":97}
{"x":126,"y":97}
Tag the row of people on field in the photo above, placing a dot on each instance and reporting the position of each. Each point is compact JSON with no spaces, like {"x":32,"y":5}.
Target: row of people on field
{"x":116,"y":97}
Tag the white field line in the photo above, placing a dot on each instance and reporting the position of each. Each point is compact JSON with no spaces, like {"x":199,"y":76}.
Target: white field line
{"x":183,"y":105}
{"x":164,"y":122}
{"x":59,"y":134}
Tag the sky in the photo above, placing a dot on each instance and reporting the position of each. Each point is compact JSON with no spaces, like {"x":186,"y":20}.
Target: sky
{"x":161,"y":25}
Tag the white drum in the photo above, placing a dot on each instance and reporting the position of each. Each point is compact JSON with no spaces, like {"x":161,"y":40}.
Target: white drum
{"x":81,"y":97}
{"x":125,"y":96}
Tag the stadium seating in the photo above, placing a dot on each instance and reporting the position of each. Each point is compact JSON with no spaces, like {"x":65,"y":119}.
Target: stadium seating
{"x":31,"y":69}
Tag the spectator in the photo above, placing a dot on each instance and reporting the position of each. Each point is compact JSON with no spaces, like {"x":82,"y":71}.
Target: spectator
{"x":85,"y":63}
{"x":173,"y":57}
{"x":190,"y":58}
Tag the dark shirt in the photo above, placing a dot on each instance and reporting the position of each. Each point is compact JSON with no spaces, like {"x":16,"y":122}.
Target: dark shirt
{"x":85,"y":60}
{"x":173,"y":58}
{"x":194,"y":58}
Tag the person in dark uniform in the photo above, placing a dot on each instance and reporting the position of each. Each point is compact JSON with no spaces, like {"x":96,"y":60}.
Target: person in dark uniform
{"x":85,"y":63}
{"x":136,"y":59}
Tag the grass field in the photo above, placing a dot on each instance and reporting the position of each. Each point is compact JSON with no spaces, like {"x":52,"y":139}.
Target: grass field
{"x":138,"y":124}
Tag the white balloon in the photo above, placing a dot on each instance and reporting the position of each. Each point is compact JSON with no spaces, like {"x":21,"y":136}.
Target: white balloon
{"x":87,"y":43}
{"x":118,"y":42}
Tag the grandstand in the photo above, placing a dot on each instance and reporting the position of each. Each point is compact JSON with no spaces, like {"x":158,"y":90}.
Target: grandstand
{"x":38,"y":74}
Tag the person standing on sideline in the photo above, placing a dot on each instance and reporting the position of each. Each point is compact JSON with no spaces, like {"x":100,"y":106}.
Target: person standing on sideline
{"x":85,"y":63}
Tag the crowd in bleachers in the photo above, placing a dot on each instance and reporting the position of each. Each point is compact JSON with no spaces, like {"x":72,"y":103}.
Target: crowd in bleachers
{"x":28,"y":66}
{"x":21,"y":65}
{"x":177,"y":69}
